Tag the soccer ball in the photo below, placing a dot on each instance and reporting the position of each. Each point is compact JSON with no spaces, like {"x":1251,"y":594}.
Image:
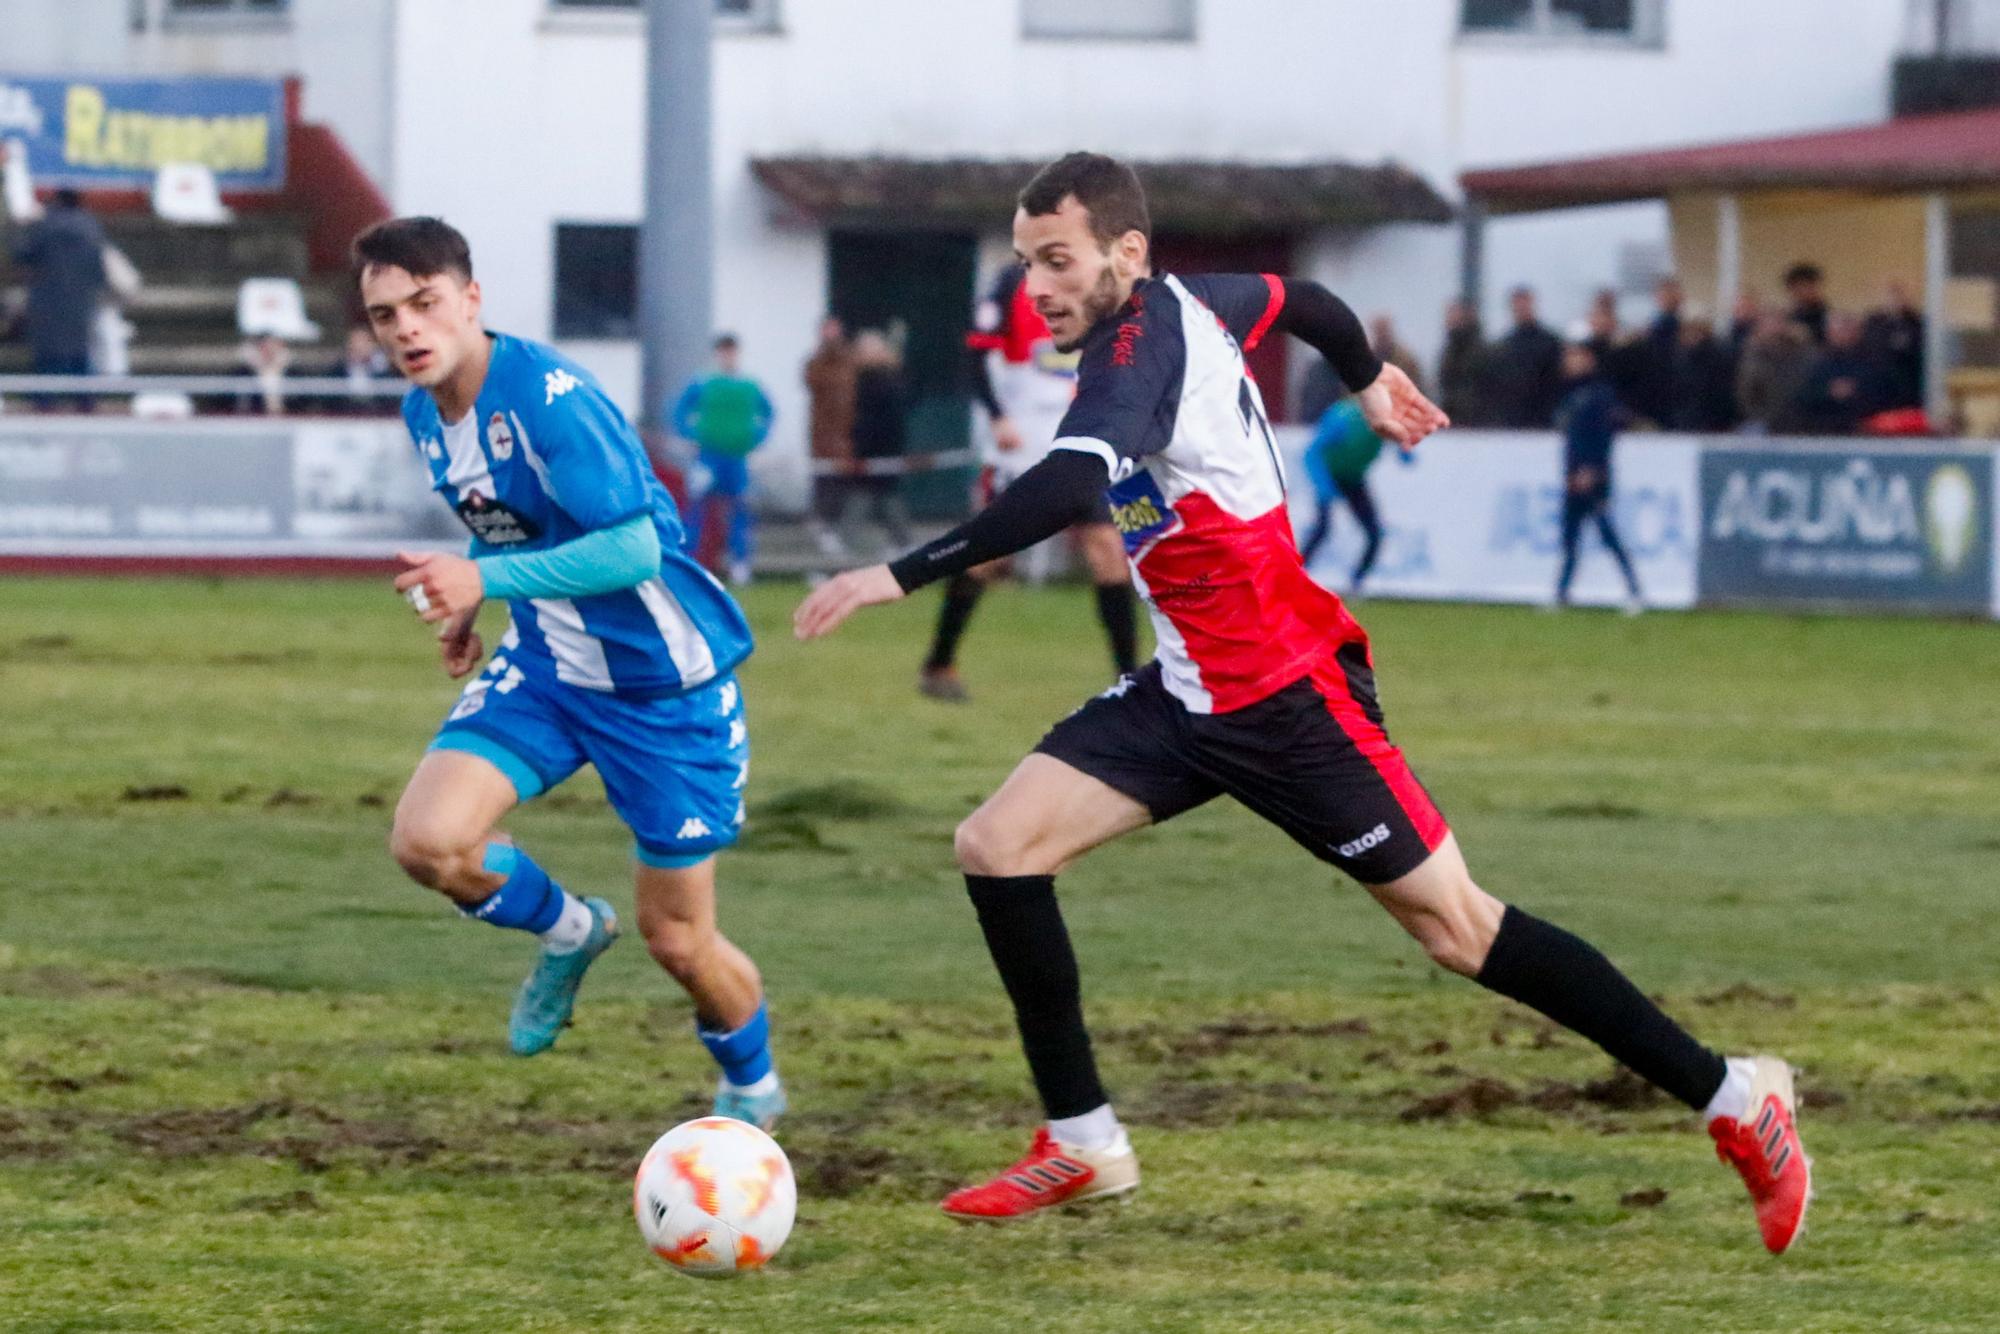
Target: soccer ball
{"x":715,"y":1197}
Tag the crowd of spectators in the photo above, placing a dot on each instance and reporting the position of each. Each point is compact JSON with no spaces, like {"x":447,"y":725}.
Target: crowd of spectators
{"x":1799,"y":369}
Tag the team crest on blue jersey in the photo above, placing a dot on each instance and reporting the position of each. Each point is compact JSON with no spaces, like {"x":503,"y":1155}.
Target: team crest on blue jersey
{"x":1141,"y":511}
{"x":500,"y":437}
{"x":495,"y":522}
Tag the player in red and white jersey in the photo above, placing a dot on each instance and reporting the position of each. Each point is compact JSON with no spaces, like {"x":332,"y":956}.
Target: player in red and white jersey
{"x":1026,"y":384}
{"x":1264,"y":691}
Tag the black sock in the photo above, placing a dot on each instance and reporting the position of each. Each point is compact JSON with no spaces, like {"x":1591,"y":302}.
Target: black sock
{"x":961,"y":595}
{"x":1121,"y":623}
{"x":1030,"y":946}
{"x":1549,"y":969}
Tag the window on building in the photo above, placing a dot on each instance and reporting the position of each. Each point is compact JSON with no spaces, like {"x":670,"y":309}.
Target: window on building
{"x":597,"y":280}
{"x":1955,"y":27}
{"x":1635,"y":21}
{"x":759,"y":15}
{"x":1122,"y":20}
{"x":234,"y":8}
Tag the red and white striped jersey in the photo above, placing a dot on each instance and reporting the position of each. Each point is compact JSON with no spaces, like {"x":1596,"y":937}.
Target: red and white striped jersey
{"x":1198,"y":490}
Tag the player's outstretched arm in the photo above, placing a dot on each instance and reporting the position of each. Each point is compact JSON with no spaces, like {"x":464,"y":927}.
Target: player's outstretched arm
{"x":1063,"y":489}
{"x":1393,"y":405}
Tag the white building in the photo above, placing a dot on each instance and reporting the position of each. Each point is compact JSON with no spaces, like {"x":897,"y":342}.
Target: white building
{"x":521,"y":120}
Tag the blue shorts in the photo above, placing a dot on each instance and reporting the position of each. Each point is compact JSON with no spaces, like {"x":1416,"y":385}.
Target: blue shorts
{"x":729,"y":474}
{"x":674,"y":768}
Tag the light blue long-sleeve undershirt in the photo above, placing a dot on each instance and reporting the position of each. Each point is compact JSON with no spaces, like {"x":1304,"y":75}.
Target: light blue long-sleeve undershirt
{"x":621,"y":556}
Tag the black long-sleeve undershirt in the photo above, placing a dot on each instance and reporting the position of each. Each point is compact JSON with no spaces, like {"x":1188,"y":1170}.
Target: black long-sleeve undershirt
{"x":1065,"y":488}
{"x":1330,"y":327}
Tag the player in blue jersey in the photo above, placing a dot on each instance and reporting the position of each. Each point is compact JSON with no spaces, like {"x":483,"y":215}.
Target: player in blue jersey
{"x":620,"y":654}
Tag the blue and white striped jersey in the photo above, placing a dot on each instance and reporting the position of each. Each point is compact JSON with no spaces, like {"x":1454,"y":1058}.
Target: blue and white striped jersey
{"x":543,"y":458}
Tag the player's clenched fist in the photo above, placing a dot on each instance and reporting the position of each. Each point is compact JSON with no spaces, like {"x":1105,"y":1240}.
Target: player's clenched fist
{"x":438,"y":584}
{"x":841,"y":596}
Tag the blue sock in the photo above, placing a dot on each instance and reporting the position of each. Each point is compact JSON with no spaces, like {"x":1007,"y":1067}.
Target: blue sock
{"x":745,"y":1055}
{"x":529,"y":901}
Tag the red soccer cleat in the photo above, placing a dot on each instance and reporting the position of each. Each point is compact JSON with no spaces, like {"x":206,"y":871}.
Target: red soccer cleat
{"x":1052,"y":1174}
{"x":1766,"y":1150}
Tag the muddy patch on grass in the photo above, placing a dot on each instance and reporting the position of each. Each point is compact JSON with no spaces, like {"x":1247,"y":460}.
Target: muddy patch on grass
{"x":1225,"y":1036}
{"x":39,"y":1076}
{"x":292,"y":1202}
{"x":1620,"y":1091}
{"x":310,"y":1136}
{"x":1475,"y":1097}
{"x":1651,"y":1197}
{"x":1178,"y":1105}
{"x":833,"y":801}
{"x":1744,"y":993}
{"x":286,"y":796}
{"x":154,"y":792}
{"x":1594,"y":810}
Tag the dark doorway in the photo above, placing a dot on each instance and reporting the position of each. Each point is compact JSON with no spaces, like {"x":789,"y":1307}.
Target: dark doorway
{"x":1181,"y":253}
{"x":921,"y":285}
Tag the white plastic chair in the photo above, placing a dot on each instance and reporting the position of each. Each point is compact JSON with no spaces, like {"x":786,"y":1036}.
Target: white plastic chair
{"x":274,"y":306}
{"x":17,"y":185}
{"x":186,"y":192}
{"x":162,"y":405}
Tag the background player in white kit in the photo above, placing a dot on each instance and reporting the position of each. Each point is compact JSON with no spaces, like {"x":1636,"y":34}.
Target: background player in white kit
{"x":1026,"y":383}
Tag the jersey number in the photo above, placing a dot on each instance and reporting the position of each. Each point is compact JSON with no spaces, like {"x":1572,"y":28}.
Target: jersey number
{"x":1256,"y":428}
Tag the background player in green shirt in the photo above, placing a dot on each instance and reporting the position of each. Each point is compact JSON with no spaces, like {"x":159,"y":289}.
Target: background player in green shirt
{"x":1344,"y":447}
{"x":726,"y":415}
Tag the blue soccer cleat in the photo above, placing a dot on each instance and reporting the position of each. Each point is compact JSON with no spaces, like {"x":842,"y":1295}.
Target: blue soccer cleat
{"x":545,"y":1000}
{"x":761,"y":1110}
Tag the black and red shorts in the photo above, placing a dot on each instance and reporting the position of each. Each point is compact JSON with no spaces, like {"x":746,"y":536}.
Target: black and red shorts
{"x":1313,"y":759}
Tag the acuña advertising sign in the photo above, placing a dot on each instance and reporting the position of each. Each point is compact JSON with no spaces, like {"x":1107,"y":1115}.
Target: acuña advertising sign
{"x":1874,"y":525}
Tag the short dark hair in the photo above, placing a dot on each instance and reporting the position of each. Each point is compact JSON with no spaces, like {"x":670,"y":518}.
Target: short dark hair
{"x":1108,"y":190}
{"x":67,"y":198}
{"x":421,"y":247}
{"x":1804,"y":273}
{"x":725,"y":342}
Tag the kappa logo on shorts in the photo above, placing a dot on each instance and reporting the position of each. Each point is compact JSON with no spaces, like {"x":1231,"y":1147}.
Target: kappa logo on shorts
{"x":692,"y":828}
{"x":1374,"y":838}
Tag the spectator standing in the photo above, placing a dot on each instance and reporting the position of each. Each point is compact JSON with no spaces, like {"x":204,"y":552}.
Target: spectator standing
{"x":268,"y":358}
{"x":1654,"y":385}
{"x":1589,"y":418}
{"x":1620,"y":358}
{"x":1321,"y":389}
{"x":1772,"y":369}
{"x":1525,"y":371}
{"x":1842,"y":387}
{"x":1382,"y":337}
{"x":64,"y":254}
{"x":881,"y":425}
{"x":1893,"y":339}
{"x":1701,"y":394}
{"x":1461,"y":366}
{"x":365,"y":366}
{"x":726,"y":415}
{"x":1805,"y":288}
{"x":830,"y":389}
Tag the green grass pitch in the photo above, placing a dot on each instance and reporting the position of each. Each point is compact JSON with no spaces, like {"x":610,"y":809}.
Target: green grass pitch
{"x":250,"y":1079}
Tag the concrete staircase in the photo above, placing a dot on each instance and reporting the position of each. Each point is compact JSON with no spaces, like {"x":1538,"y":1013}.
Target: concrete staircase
{"x":186,"y":310}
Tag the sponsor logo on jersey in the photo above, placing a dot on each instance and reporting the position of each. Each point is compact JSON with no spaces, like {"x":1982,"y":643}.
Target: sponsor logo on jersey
{"x":500,"y":437}
{"x":494,"y":522}
{"x":1141,"y":511}
{"x":1374,"y":838}
{"x":557,"y":383}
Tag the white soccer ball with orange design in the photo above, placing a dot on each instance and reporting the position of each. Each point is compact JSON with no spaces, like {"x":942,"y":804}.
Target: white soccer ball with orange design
{"x":715,"y":1197}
